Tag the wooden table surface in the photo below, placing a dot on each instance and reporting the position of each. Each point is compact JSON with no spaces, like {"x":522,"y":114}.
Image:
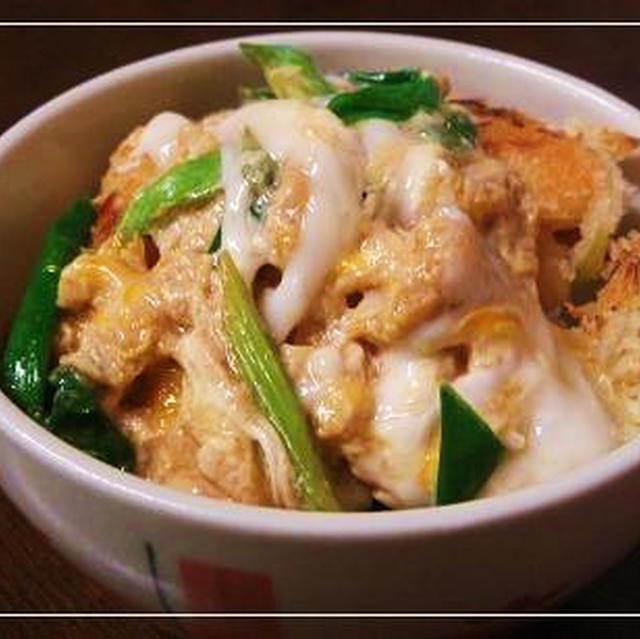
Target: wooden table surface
{"x":38,"y":63}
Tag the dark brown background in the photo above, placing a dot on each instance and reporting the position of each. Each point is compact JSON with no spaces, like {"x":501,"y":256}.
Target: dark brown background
{"x":447,"y":10}
{"x":38,"y":63}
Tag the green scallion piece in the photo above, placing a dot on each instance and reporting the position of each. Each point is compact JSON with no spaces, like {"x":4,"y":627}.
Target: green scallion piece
{"x":27,"y":354}
{"x":256,"y":360}
{"x":289,"y":72}
{"x":185,"y":184}
{"x":396,"y":102}
{"x":469,"y":451}
{"x":395,"y":76}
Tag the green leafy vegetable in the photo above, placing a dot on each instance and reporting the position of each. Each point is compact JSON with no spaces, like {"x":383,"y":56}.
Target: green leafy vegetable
{"x":396,"y":76}
{"x":469,"y":451}
{"x":399,"y":94}
{"x":397,"y":102}
{"x":188,"y":183}
{"x":289,"y":72}
{"x":258,"y":363}
{"x":26,"y":357}
{"x":74,"y":414}
{"x":77,"y":418}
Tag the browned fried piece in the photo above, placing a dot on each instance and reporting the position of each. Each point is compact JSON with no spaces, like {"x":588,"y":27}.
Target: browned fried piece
{"x":623,"y":274}
{"x":607,"y":338}
{"x":558,"y":171}
{"x":617,"y":144}
{"x":622,"y":288}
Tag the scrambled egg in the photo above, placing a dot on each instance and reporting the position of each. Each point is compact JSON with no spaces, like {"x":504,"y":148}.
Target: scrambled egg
{"x":383,"y":265}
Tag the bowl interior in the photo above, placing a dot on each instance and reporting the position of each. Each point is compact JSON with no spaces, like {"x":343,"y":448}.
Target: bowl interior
{"x":59,"y":152}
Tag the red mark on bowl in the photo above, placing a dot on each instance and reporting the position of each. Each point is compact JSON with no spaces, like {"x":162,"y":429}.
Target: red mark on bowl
{"x":209,"y":588}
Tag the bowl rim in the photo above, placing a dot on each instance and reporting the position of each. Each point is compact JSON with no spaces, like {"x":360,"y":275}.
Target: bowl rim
{"x":77,"y":467}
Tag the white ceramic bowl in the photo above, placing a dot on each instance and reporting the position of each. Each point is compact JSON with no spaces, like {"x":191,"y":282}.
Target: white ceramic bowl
{"x":160,"y":547}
